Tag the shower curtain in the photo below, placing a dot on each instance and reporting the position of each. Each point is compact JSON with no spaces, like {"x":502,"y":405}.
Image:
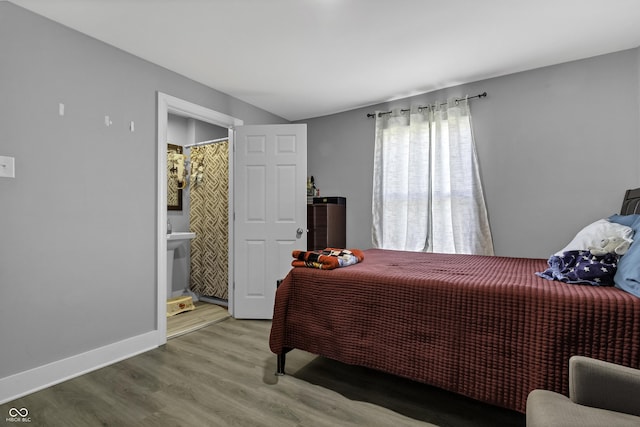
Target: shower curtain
{"x":209,"y":219}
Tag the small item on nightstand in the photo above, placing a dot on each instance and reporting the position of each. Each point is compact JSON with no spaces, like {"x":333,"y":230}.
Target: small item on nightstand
{"x":168,"y":227}
{"x":311,"y":187}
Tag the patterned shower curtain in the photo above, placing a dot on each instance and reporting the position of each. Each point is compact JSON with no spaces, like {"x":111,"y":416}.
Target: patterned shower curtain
{"x":209,"y":219}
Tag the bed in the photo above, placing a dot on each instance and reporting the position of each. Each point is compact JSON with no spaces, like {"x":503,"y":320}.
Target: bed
{"x":485,"y":327}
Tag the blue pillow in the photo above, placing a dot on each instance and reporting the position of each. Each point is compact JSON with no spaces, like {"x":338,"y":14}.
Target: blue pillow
{"x":627,"y":276}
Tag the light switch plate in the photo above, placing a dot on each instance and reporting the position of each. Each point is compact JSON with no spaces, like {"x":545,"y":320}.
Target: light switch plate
{"x":7,"y":167}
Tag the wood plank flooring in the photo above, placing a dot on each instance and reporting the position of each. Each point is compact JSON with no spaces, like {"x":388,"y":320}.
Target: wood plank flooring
{"x":222,"y":375}
{"x":205,"y":314}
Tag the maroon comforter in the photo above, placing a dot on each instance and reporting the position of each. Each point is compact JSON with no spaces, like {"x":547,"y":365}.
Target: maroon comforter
{"x":484,"y":327}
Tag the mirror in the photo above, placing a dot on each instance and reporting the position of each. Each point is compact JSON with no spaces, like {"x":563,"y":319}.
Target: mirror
{"x":174,"y":190}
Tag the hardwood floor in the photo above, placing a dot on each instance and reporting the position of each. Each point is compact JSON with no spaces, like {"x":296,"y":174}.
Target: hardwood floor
{"x":222,"y":375}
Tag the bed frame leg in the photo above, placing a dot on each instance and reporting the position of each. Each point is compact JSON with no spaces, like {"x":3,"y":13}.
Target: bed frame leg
{"x":280,"y":364}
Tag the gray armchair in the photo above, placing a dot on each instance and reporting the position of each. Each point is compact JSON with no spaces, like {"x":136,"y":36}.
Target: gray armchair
{"x":600,"y":394}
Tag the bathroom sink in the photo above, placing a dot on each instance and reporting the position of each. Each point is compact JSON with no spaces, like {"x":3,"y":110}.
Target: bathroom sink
{"x":174,"y":240}
{"x":177,"y":238}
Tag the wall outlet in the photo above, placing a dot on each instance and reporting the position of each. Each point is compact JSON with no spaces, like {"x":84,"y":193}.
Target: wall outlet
{"x":7,"y":167}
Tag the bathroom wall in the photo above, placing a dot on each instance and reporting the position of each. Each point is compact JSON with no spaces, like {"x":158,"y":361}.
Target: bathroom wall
{"x":78,"y":222}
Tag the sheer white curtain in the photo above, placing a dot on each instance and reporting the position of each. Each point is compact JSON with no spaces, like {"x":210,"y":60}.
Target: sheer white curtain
{"x":427,"y":194}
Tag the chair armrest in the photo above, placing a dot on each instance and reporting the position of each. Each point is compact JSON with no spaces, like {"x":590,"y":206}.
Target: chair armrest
{"x":604,"y":385}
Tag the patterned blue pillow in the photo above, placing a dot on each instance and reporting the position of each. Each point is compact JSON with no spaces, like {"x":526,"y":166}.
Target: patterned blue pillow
{"x":627,"y":276}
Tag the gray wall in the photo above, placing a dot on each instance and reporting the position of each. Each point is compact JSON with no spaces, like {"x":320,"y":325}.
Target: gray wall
{"x":78,"y":223}
{"x":557,"y":146}
{"x":206,"y":132}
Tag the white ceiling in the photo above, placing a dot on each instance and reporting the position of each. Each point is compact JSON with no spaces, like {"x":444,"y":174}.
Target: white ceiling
{"x":307,"y":58}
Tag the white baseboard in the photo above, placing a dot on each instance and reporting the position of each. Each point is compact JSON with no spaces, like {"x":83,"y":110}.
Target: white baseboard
{"x":27,"y":382}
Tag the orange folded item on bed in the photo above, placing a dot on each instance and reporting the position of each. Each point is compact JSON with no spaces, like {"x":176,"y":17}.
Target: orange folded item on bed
{"x":327,"y":259}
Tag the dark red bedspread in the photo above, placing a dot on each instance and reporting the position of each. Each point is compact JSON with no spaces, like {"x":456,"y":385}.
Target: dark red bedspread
{"x":484,"y":327}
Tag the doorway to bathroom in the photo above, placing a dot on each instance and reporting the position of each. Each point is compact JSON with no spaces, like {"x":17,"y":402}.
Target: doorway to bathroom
{"x":267,"y":204}
{"x":200,"y":266}
{"x":198,"y":203}
{"x":186,"y":122}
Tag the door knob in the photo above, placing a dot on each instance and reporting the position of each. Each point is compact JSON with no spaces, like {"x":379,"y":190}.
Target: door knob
{"x":299,"y":232}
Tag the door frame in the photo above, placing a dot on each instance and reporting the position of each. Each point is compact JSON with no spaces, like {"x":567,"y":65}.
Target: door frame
{"x":168,"y":104}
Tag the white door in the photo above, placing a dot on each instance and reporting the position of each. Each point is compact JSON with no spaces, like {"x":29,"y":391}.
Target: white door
{"x":270,"y":212}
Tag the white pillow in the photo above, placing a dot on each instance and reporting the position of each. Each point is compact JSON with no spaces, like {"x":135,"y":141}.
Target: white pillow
{"x":593,"y":234}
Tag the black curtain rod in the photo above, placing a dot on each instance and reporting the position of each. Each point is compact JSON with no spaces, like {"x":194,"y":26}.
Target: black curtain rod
{"x":481,"y":95}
